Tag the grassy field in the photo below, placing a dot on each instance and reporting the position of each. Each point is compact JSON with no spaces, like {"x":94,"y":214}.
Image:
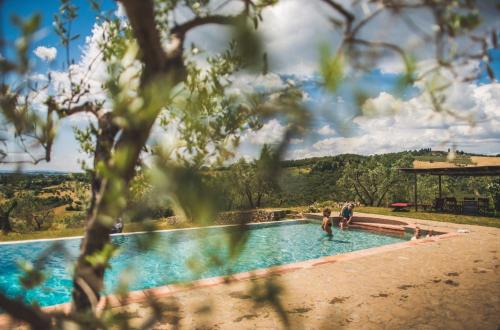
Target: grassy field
{"x":444,"y":217}
{"x":70,"y":232}
{"x":459,"y":159}
{"x":159,"y":225}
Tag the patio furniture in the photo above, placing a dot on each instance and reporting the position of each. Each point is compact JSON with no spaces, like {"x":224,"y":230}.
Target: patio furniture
{"x":438,"y":204}
{"x":425,"y":207}
{"x":483,"y":205}
{"x":451,"y":171}
{"x":470,"y":206}
{"x":400,"y":206}
{"x":450,"y":204}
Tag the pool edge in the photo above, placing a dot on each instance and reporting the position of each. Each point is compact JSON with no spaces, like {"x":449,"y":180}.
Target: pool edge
{"x":153,"y":231}
{"x":137,"y":296}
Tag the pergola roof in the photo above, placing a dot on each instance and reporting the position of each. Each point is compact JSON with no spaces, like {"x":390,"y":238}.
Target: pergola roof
{"x":491,"y":170}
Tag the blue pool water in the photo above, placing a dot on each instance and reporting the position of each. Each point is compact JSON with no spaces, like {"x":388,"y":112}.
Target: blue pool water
{"x":182,"y":255}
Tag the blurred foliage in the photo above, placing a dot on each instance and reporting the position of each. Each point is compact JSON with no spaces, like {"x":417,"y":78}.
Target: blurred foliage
{"x":331,"y":68}
{"x":101,"y":258}
{"x":31,"y":277}
{"x":166,"y":135}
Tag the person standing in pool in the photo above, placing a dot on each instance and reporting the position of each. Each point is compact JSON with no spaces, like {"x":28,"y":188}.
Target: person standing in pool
{"x":117,"y":226}
{"x":417,"y":234}
{"x":326,"y":225}
{"x":346,"y":215}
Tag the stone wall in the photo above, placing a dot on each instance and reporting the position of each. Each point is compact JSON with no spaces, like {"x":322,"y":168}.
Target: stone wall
{"x":240,"y":217}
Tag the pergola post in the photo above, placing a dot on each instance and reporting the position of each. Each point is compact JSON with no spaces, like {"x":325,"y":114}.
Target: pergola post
{"x":416,"y":197}
{"x":440,"y":191}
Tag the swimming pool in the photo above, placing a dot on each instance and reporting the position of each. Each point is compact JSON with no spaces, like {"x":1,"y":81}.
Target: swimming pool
{"x":182,"y":255}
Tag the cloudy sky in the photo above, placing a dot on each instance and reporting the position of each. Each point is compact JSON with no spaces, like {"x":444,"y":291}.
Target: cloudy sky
{"x":293,"y":31}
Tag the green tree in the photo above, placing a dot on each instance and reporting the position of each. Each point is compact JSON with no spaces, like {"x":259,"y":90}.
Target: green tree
{"x":371,"y":180}
{"x":33,"y":212}
{"x":5,"y":212}
{"x":256,"y":180}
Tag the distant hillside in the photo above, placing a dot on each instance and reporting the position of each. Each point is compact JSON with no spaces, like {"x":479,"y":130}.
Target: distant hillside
{"x":34,"y":172}
{"x":424,"y":155}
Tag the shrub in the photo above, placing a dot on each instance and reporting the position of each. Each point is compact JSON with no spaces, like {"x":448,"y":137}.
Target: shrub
{"x":73,"y":220}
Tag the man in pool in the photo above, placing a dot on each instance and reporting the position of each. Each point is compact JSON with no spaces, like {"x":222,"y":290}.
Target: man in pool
{"x":326,"y":225}
{"x":346,"y":215}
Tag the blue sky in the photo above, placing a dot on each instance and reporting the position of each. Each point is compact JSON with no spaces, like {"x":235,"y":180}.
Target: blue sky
{"x":337,"y":126}
{"x":48,"y":38}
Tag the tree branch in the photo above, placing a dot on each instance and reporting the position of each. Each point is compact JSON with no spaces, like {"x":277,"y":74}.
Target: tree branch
{"x":87,"y":107}
{"x":366,"y":20}
{"x":182,"y":29}
{"x":380,"y":44}
{"x":387,"y":188}
{"x":349,"y":17}
{"x":358,"y":181}
{"x":20,"y":311}
{"x":142,"y":19}
{"x":359,"y":195}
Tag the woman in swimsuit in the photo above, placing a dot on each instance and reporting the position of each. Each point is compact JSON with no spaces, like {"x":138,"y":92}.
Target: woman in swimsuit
{"x":327,"y":224}
{"x":346,"y":215}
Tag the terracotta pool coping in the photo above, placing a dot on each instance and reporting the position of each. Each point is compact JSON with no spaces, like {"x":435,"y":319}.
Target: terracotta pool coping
{"x":115,"y":301}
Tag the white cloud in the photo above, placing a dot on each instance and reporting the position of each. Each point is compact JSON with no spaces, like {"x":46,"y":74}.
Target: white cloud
{"x":383,"y":105}
{"x":473,"y":125}
{"x":296,"y":141}
{"x":292,"y":32}
{"x":271,"y":132}
{"x":38,"y":77}
{"x":120,"y":11}
{"x":245,"y":83}
{"x":326,"y":131}
{"x":46,"y":53}
{"x":91,"y":68}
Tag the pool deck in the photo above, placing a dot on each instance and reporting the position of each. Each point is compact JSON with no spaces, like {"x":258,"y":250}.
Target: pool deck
{"x":450,"y":281}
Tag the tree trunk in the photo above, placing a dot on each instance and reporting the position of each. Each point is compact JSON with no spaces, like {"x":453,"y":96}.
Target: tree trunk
{"x":368,"y":195}
{"x":5,"y":224}
{"x":88,"y":277}
{"x":34,"y":316}
{"x":259,"y":198}
{"x":248,"y":193}
{"x":105,"y":138}
{"x":385,"y":192}
{"x":360,"y":195}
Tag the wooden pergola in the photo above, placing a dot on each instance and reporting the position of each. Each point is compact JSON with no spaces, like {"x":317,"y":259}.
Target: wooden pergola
{"x":488,"y":170}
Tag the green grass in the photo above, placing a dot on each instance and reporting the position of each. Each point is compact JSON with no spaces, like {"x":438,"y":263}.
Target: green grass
{"x":435,"y":216}
{"x":70,"y":232}
{"x":158,"y":225}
